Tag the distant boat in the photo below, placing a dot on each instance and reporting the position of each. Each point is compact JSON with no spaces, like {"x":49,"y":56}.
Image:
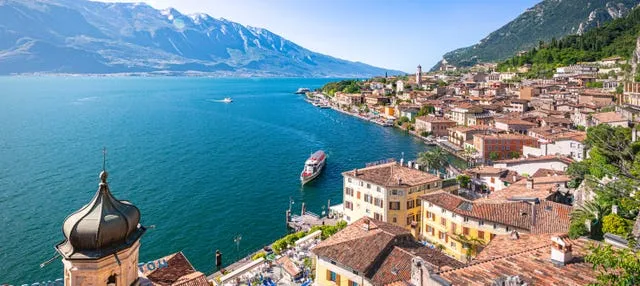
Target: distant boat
{"x":313,"y":166}
{"x":302,"y":90}
{"x":227,"y":100}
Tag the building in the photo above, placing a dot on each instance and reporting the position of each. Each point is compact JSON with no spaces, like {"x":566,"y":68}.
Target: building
{"x":470,"y":115}
{"x":524,"y":259}
{"x":502,"y":145}
{"x":102,"y":242}
{"x":611,"y":118}
{"x":494,"y":179}
{"x":575,"y":70}
{"x":419,"y":76}
{"x":530,"y":165}
{"x":372,"y":252}
{"x":514,"y":125}
{"x":349,"y":99}
{"x":388,"y":192}
{"x":399,"y":86}
{"x":529,"y":92}
{"x":408,"y":111}
{"x":460,"y":135}
{"x":459,"y":224}
{"x":596,"y":97}
{"x":518,"y":105}
{"x":569,"y":144}
{"x":437,"y":126}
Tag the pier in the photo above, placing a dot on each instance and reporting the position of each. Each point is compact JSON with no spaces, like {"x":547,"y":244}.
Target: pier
{"x":306,"y":220}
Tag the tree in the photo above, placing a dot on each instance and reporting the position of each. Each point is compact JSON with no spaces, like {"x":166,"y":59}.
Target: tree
{"x":514,"y":155}
{"x":463,"y":180}
{"x":591,"y":212}
{"x":615,"y":267}
{"x":494,"y":156}
{"x":617,"y":225}
{"x":435,"y":159}
{"x":425,"y":133}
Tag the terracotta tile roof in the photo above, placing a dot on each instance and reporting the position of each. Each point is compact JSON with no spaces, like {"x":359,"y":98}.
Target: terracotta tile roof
{"x":382,"y":254}
{"x":607,"y":117}
{"x":549,"y":216}
{"x":542,"y":189}
{"x":486,"y":170}
{"x":388,"y":175}
{"x":547,"y":172}
{"x":504,"y":136}
{"x":506,"y":244}
{"x":288,"y":266}
{"x":532,"y":265}
{"x":179,"y":271}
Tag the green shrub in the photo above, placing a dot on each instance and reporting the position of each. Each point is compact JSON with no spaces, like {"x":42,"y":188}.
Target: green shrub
{"x":617,"y":225}
{"x":258,"y":255}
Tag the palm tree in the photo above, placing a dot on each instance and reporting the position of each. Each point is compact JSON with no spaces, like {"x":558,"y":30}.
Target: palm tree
{"x":473,"y":244}
{"x":589,"y":211}
{"x":435,"y":159}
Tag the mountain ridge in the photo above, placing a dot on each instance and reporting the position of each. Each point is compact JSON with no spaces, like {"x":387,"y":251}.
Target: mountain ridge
{"x":98,"y":37}
{"x":544,"y":21}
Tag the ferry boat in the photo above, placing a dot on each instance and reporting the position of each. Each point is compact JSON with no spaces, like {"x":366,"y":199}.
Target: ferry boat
{"x":227,"y":100}
{"x":302,"y":90}
{"x":313,"y":166}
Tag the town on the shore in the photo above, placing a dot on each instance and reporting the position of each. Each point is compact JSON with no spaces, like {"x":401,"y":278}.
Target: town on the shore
{"x":546,"y":194}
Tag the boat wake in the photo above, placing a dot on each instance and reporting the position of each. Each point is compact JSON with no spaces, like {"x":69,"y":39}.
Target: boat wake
{"x":219,"y":100}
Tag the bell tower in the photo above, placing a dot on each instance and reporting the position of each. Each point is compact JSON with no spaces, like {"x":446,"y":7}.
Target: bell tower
{"x":419,"y":76}
{"x":102,"y":240}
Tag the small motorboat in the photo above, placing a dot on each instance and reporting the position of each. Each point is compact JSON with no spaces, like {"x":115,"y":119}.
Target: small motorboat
{"x":227,"y":100}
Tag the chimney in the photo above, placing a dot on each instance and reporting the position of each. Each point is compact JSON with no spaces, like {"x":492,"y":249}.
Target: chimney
{"x":365,"y":224}
{"x":515,"y":178}
{"x":514,"y":235}
{"x":419,"y":272}
{"x":355,"y":172}
{"x":561,"y":250}
{"x":529,"y":183}
{"x":399,"y":182}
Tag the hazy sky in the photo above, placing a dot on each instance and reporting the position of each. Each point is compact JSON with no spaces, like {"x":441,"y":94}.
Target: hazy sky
{"x":397,"y":34}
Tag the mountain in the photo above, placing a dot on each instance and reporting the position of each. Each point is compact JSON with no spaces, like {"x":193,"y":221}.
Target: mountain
{"x":80,"y":36}
{"x":546,"y":20}
{"x":616,"y":38}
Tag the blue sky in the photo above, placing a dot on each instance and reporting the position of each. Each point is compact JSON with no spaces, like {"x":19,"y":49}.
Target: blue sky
{"x":398,"y":34}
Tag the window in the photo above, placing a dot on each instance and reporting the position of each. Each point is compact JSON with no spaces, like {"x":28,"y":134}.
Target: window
{"x":368,"y":198}
{"x":378,"y":189}
{"x":377,"y":216}
{"x":349,"y":180}
{"x":368,"y":186}
{"x":443,"y":221}
{"x":353,"y":283}
{"x":348,"y":205}
{"x":453,"y":215}
{"x":453,"y":244}
{"x":430,"y":204}
{"x":480,"y":234}
{"x":495,"y":226}
{"x":481,"y":222}
{"x":441,"y":235}
{"x":348,"y":191}
{"x":378,"y":202}
{"x":358,"y":195}
{"x":465,"y":230}
{"x":465,"y":219}
{"x":361,"y":183}
{"x":111,"y":281}
{"x":394,"y":205}
{"x":453,"y":228}
{"x":332,"y":276}
{"x":429,"y":215}
{"x":409,"y":219}
{"x":410,"y":204}
{"x":395,"y":220}
{"x":493,"y":180}
{"x":430,"y":229}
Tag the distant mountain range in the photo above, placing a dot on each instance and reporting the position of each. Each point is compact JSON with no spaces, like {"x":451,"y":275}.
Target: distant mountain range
{"x":546,"y":20}
{"x":79,"y":36}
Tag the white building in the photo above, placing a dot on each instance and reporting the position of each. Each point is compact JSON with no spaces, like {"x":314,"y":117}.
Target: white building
{"x":399,"y":86}
{"x":566,"y":147}
{"x":528,"y":166}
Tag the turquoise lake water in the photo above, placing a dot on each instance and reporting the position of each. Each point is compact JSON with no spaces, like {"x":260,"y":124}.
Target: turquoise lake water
{"x":200,"y":171}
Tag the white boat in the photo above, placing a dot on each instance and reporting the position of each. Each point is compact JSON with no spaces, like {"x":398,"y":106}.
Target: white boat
{"x":227,"y":100}
{"x":313,"y":166}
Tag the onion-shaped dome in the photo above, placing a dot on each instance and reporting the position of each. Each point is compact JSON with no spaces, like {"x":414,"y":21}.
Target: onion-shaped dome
{"x":102,"y":227}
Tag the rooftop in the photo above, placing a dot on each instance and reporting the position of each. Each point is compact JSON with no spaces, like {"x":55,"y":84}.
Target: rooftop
{"x":434,"y":119}
{"x":392,"y":175}
{"x":381,"y":251}
{"x":531,"y":159}
{"x":541,"y":217}
{"x":607,"y":117}
{"x":530,"y":260}
{"x":179,"y":271}
{"x":514,"y":121}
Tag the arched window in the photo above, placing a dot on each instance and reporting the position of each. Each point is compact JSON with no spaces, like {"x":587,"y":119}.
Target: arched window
{"x":112,"y":280}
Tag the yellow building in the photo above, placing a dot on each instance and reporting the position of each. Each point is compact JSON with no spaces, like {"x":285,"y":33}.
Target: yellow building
{"x":461,"y":227}
{"x":388,"y":192}
{"x":371,"y":252}
{"x":389,"y":110}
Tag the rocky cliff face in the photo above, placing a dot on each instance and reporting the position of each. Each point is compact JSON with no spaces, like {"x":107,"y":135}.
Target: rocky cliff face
{"x":80,"y":36}
{"x":544,"y":21}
